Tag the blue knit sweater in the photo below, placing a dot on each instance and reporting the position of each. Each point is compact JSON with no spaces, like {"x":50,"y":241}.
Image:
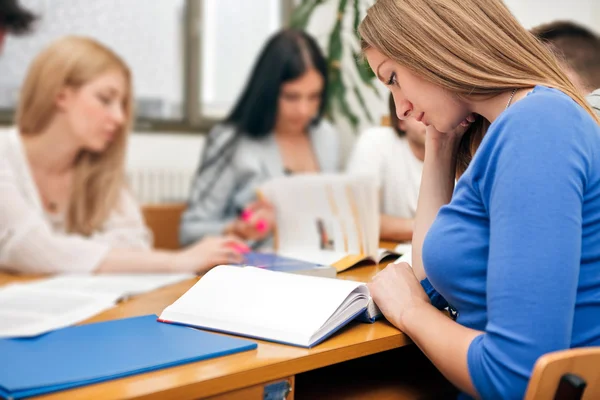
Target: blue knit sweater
{"x":517,"y":250}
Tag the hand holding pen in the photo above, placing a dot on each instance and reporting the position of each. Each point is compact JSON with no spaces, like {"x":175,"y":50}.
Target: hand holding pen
{"x":255,"y":222}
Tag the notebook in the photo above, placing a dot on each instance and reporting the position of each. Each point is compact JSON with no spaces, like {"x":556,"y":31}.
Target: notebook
{"x":328,"y":219}
{"x":276,"y":262}
{"x":30,"y":309}
{"x":82,"y":355}
{"x":280,"y":307}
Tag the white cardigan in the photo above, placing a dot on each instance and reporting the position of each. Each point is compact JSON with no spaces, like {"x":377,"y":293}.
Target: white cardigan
{"x":34,"y":241}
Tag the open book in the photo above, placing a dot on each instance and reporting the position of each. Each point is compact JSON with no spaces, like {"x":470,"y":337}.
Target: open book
{"x":330,"y":219}
{"x":280,"y":307}
{"x":31,"y":309}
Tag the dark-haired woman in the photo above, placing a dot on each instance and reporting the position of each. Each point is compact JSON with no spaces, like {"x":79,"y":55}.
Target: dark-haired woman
{"x":275,"y":128}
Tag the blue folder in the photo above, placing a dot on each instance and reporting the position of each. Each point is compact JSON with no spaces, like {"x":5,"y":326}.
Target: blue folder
{"x":82,"y":355}
{"x":276,"y":262}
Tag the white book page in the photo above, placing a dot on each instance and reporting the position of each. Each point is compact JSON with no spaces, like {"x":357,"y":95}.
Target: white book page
{"x":261,"y":300}
{"x":406,"y":257}
{"x":28,"y":311}
{"x":324,"y":214}
{"x":312,"y":217}
{"x":364,"y":195}
{"x":403,"y":248}
{"x":121,"y":285}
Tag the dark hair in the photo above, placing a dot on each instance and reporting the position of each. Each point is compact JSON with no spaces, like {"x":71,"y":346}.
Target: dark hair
{"x":577,"y":45}
{"x":286,"y":56}
{"x":394,"y":121}
{"x":14,"y":18}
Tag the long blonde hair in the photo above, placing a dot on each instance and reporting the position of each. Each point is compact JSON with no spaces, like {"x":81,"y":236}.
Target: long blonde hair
{"x":98,"y":177}
{"x":467,"y":47}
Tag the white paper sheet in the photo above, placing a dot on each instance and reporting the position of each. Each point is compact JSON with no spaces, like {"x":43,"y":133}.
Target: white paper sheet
{"x":30,"y":309}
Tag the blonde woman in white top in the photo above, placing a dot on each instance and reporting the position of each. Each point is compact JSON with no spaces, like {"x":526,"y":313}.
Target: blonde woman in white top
{"x":394,"y":156}
{"x":64,"y":204}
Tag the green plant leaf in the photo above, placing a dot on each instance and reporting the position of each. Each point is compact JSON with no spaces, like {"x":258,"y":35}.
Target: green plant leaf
{"x":366,"y":74}
{"x":333,"y":89}
{"x":364,"y":71}
{"x":345,"y":107}
{"x":362,"y":102}
{"x":356,"y":16}
{"x":335,"y":46}
{"x":302,"y":13}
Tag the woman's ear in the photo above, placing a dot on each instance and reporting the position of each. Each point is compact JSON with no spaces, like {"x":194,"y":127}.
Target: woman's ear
{"x":63,"y":98}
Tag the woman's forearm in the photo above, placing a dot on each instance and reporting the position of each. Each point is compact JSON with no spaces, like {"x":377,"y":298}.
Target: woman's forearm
{"x":395,"y":228}
{"x":447,"y":351}
{"x":437,"y":184}
{"x":135,"y":261}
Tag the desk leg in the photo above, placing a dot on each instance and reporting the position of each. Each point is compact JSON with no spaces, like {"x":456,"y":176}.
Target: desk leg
{"x":282,"y":389}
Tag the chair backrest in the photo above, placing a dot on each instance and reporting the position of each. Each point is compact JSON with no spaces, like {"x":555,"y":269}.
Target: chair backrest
{"x":163,"y":221}
{"x":567,"y":369}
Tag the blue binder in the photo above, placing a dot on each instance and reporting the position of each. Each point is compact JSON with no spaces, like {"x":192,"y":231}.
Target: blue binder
{"x":82,"y":355}
{"x":276,"y":262}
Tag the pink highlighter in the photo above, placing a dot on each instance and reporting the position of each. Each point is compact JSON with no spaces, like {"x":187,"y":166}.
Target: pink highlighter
{"x":261,"y":224}
{"x":246,"y":215}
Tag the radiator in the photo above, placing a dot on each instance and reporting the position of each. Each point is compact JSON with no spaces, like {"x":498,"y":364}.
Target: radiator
{"x":152,"y":186}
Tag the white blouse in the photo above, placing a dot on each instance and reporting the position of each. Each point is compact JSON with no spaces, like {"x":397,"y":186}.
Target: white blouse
{"x":35,"y":241}
{"x":380,"y":153}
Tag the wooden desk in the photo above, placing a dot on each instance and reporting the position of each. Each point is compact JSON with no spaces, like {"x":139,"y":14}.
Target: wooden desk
{"x":240,"y":375}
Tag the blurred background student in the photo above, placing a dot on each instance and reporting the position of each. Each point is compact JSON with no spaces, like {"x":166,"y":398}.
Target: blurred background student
{"x":14,"y":19}
{"x":275,"y":128}
{"x":65,"y":206}
{"x":578,"y":49}
{"x":394,"y":156}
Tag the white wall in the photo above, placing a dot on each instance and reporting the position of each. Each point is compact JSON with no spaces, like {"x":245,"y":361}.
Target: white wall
{"x":164,"y":150}
{"x":534,"y":12}
{"x":160,"y":167}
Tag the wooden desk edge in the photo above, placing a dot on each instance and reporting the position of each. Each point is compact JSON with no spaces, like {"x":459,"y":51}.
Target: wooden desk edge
{"x":275,"y":371}
{"x":129,"y":387}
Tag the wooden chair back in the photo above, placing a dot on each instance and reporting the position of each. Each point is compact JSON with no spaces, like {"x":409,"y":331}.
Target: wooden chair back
{"x":163,"y":221}
{"x":569,"y":374}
